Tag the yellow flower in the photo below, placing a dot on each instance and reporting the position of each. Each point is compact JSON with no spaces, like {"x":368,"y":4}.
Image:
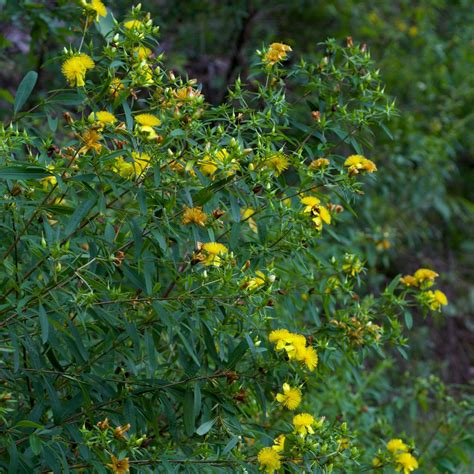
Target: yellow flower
{"x":319,"y":163}
{"x":309,"y":202}
{"x":319,"y":213}
{"x":115,"y":86}
{"x":120,"y":431}
{"x":96,"y":7}
{"x":406,"y":462}
{"x":102,"y":118}
{"x":435,"y":299}
{"x":276,"y":52}
{"x":409,"y":280}
{"x":194,"y":215}
{"x":74,"y":69}
{"x":49,"y":180}
{"x":104,"y":424}
{"x":440,"y":297}
{"x":187,"y":94}
{"x":376,"y":462}
{"x":290,"y":398}
{"x":133,"y":25}
{"x":424,"y":275}
{"x":119,"y":466}
{"x":255,"y":282}
{"x":210,"y":164}
{"x":91,"y":138}
{"x":269,"y":460}
{"x":146,"y":122}
{"x":279,"y":443}
{"x":128,"y":169}
{"x":295,"y":346}
{"x":357,"y":163}
{"x":278,"y":334}
{"x":311,"y":358}
{"x":213,"y":251}
{"x":142,"y":52}
{"x":303,"y":424}
{"x":278,"y":162}
{"x":395,"y":445}
{"x":246,"y":215}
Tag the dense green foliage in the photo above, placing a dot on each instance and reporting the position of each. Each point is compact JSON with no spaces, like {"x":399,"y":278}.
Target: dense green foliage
{"x":148,"y":258}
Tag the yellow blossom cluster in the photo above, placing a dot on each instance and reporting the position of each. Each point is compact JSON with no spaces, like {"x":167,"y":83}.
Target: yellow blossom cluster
{"x":275,"y":53}
{"x":423,"y":279}
{"x":319,"y":213}
{"x":75,"y":68}
{"x":399,"y":454}
{"x":142,"y":73}
{"x":358,"y":163}
{"x":269,"y":458}
{"x":295,"y":347}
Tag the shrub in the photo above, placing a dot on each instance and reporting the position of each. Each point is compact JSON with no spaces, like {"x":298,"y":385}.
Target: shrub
{"x":177,"y":295}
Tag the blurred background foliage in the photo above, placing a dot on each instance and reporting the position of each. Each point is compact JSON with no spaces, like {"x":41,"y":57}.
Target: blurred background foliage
{"x":419,"y":211}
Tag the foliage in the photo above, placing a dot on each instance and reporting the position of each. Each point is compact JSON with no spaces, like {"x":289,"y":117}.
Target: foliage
{"x":182,"y":286}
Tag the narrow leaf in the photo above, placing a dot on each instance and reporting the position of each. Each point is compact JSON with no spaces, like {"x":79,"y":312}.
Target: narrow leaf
{"x":78,"y":215}
{"x":24,"y":90}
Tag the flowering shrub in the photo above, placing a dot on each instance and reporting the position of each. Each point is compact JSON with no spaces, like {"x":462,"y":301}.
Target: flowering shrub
{"x":177,"y":295}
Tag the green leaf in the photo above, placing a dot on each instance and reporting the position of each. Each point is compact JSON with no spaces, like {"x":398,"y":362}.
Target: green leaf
{"x":205,"y":427}
{"x":105,"y":25}
{"x":408,"y":319}
{"x":23,"y":172}
{"x":78,"y":215}
{"x":44,"y":323}
{"x":204,"y":195}
{"x":237,"y":354}
{"x":24,"y":90}
{"x":28,"y":424}
{"x":189,"y":349}
{"x":209,"y":341}
{"x":230,"y":445}
{"x":128,"y":115}
{"x":390,"y":288}
{"x":36,"y":444}
{"x":188,"y":412}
